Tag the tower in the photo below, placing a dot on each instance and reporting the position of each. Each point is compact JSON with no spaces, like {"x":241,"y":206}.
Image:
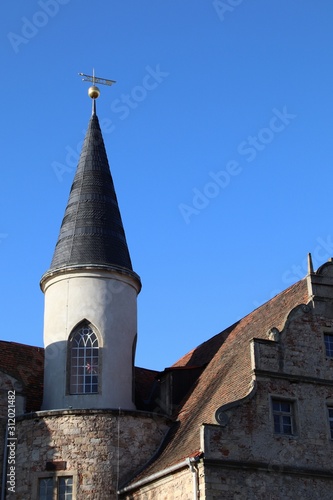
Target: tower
{"x":90,"y":317}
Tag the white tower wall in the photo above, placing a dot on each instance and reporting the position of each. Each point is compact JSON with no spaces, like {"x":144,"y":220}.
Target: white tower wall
{"x":108,"y":301}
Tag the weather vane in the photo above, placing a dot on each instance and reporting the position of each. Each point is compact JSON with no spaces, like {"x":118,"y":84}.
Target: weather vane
{"x":94,"y":91}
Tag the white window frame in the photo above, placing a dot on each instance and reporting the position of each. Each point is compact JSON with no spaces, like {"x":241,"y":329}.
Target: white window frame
{"x":283,"y":413}
{"x":83,"y":360}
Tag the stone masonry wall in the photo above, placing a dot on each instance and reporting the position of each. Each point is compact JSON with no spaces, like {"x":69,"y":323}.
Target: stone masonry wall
{"x":8,"y":385}
{"x":229,"y":484}
{"x":299,"y":348}
{"x":103,"y":448}
{"x":244,"y":457}
{"x":175,"y":486}
{"x":249,"y":432}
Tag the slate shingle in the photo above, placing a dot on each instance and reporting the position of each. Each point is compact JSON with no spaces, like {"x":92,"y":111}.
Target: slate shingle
{"x":92,"y":230}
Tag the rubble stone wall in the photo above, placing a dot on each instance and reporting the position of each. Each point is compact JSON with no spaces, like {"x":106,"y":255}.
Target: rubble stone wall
{"x":103,"y":448}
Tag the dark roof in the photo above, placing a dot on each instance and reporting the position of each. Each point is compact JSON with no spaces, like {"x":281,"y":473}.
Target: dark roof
{"x":226,"y":378}
{"x":92,"y":232}
{"x":145,"y":382}
{"x":26,"y":364}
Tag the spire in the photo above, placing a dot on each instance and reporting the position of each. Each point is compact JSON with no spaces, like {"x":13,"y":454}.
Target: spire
{"x":310,"y":264}
{"x":92,"y":232}
{"x":91,"y":291}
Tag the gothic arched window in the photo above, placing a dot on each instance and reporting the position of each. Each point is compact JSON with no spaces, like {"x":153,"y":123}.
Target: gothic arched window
{"x":83,"y":361}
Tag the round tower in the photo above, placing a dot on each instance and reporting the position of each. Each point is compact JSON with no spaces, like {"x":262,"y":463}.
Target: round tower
{"x":90,"y":318}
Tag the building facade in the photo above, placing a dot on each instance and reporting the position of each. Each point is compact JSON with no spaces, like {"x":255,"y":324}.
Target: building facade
{"x":248,"y":414}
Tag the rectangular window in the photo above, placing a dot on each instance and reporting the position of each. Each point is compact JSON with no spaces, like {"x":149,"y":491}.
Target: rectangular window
{"x":56,"y":487}
{"x":328,"y":338}
{"x":330,"y":419}
{"x":283,"y":417}
{"x":46,"y":488}
{"x":65,"y":488}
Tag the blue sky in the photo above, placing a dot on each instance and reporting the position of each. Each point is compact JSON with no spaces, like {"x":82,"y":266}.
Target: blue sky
{"x":219,"y":137}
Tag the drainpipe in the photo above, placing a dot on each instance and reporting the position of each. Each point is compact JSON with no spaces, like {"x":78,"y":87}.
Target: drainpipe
{"x":4,"y":466}
{"x":157,"y":475}
{"x":195,"y":476}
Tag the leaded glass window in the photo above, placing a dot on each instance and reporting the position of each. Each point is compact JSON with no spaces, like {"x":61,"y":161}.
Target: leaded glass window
{"x":53,"y":487}
{"x":46,"y":488}
{"x":84,"y":361}
{"x":65,"y":488}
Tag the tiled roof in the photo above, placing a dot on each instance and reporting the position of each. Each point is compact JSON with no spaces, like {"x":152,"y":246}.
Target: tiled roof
{"x":227,"y":376}
{"x":203,"y":354}
{"x":26,"y":364}
{"x":92,"y":231}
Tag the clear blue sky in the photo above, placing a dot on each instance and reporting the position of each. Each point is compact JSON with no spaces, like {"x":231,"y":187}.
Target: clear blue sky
{"x":219,"y":135}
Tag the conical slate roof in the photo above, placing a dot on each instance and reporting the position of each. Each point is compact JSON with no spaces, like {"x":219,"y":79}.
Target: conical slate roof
{"x":92,"y":232}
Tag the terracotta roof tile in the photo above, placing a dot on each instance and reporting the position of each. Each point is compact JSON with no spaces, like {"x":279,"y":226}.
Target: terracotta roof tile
{"x":203,"y":354}
{"x":26,"y":364}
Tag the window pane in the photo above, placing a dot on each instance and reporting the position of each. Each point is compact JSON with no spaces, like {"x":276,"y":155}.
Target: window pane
{"x":282,"y":417}
{"x":285,"y":407}
{"x":330,"y":418}
{"x":276,"y":423}
{"x":46,"y":488}
{"x":84,"y":361}
{"x":328,"y":344}
{"x":286,"y":422}
{"x":65,"y":488}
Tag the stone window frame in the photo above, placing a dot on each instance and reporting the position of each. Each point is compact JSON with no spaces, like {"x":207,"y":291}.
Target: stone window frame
{"x":55,"y":475}
{"x":292,"y":414}
{"x":83,"y":324}
{"x":328,"y":343}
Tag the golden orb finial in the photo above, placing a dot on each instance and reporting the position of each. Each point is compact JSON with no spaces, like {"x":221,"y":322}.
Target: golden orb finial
{"x":93,"y":92}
